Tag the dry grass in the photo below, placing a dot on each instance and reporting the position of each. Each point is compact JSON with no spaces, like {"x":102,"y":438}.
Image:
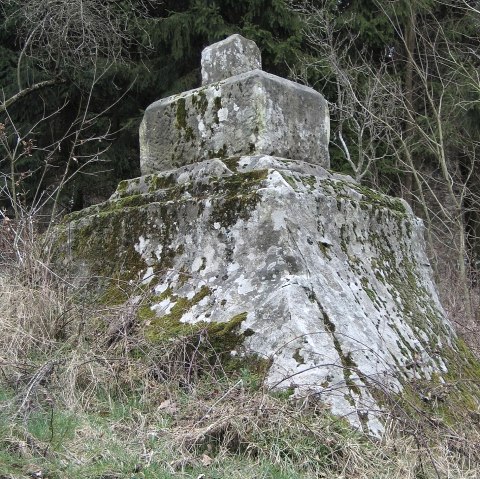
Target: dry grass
{"x":82,"y":397}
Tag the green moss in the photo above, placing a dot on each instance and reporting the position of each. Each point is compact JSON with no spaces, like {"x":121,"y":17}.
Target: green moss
{"x":181,"y":113}
{"x":105,"y":243}
{"x":370,"y":199}
{"x":348,"y":364}
{"x":298,"y":357}
{"x":220,"y":153}
{"x":103,"y":237}
{"x":170,"y":324}
{"x":463,"y":378}
{"x":242,"y":197}
{"x":232,"y":163}
{"x":371,"y":293}
{"x":310,"y":181}
{"x":189,"y":133}
{"x":122,"y":187}
{"x":114,"y":294}
{"x":290,"y":180}
{"x":200,"y":102}
{"x":161,"y":181}
{"x":217,"y":104}
{"x":181,"y":119}
{"x":223,"y":337}
{"x":126,"y":202}
{"x":324,"y":248}
{"x":145,"y":313}
{"x":378,"y":199}
{"x":183,"y":275}
{"x":447,"y":400}
{"x":344,"y":239}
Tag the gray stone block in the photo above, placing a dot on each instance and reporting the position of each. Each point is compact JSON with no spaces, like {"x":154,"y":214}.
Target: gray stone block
{"x":251,"y":113}
{"x":228,"y":58}
{"x":331,"y":278}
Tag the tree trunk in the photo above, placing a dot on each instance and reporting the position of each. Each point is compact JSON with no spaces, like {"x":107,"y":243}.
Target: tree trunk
{"x":410,"y":47}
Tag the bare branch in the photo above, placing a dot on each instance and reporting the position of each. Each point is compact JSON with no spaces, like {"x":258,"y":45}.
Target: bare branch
{"x":26,"y":91}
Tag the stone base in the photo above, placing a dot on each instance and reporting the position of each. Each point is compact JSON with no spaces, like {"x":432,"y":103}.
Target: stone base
{"x":327,"y":279}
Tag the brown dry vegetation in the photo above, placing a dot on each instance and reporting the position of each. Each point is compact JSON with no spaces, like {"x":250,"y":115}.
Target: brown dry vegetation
{"x":83,"y":398}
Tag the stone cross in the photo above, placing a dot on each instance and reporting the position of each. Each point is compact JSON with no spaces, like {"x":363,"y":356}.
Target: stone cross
{"x":239,"y":110}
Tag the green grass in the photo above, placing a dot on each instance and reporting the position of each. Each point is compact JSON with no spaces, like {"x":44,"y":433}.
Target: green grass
{"x":125,"y":440}
{"x":138,"y":409}
{"x":218,"y":428}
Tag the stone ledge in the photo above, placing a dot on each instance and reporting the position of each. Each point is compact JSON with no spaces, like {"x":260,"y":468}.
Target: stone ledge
{"x":248,"y":114}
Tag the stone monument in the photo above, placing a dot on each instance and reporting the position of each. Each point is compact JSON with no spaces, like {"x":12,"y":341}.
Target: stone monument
{"x":236,"y":222}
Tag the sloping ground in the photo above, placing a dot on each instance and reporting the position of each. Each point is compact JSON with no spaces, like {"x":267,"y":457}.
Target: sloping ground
{"x":325,"y":282}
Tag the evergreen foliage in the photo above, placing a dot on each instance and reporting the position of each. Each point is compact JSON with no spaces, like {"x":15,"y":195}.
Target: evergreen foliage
{"x":161,"y":56}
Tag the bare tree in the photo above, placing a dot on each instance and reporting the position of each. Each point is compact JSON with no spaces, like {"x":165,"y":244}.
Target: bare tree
{"x":440,"y":77}
{"x":363,"y":108}
{"x":61,"y":37}
{"x":61,"y":41}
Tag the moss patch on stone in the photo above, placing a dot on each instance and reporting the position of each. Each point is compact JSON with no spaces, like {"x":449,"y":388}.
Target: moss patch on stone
{"x":217,"y":105}
{"x":161,"y":181}
{"x":369,"y":199}
{"x":298,"y":357}
{"x":290,"y":180}
{"x":103,"y":237}
{"x":240,"y":199}
{"x":181,"y":113}
{"x":232,"y":163}
{"x":445,"y":400}
{"x":200,"y":102}
{"x":324,"y":248}
{"x":169,"y":325}
{"x":122,"y":187}
{"x":181,"y":119}
{"x":223,"y":337}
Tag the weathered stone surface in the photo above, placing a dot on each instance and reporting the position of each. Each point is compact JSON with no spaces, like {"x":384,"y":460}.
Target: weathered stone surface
{"x":251,"y":113}
{"x":326,"y":279}
{"x":330,"y":279}
{"x":228,"y":58}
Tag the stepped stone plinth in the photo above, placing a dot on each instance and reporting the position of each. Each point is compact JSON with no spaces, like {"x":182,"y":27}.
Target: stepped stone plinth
{"x":323,"y":281}
{"x":249,"y":113}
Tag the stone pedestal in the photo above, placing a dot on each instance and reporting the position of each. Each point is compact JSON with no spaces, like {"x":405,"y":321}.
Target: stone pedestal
{"x":324,"y":279}
{"x":250,"y":113}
